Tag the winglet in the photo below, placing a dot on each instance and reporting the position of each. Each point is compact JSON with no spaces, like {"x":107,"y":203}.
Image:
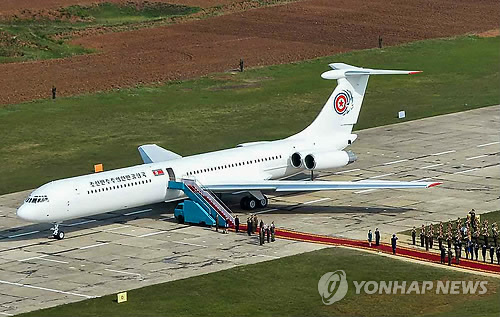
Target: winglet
{"x":434,"y":184}
{"x":415,"y":72}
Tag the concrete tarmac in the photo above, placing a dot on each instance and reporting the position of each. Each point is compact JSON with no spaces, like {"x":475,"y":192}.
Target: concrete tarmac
{"x":118,"y":251}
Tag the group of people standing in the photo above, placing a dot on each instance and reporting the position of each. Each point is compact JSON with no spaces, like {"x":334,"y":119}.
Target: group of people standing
{"x":266,"y":232}
{"x":394,"y":239}
{"x":462,"y":235}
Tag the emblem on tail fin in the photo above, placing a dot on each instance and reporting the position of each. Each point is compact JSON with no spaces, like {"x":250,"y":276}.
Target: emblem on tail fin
{"x":343,"y":102}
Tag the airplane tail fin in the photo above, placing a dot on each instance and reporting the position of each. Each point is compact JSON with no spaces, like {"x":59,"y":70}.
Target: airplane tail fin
{"x":341,"y":111}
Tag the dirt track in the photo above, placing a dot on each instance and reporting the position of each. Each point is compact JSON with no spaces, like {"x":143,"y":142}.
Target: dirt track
{"x":264,"y":36}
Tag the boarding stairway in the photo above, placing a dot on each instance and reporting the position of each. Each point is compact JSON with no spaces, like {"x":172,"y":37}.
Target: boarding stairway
{"x":203,"y":206}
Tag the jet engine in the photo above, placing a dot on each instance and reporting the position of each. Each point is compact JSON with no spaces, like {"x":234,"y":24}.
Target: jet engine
{"x":296,"y":160}
{"x":328,"y":160}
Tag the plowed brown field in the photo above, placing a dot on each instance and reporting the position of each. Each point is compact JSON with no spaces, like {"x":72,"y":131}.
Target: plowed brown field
{"x":270,"y":35}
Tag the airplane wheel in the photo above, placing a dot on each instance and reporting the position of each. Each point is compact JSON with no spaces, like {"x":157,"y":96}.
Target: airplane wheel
{"x":180,"y":219}
{"x":59,"y":235}
{"x":244,"y":203}
{"x":252,"y":203}
{"x":263,"y":202}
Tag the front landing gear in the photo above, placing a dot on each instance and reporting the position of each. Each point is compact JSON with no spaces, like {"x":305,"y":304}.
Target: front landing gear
{"x":56,"y":233}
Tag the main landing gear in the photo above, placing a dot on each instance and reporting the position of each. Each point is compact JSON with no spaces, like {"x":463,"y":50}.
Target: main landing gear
{"x":251,"y":203}
{"x":56,"y":233}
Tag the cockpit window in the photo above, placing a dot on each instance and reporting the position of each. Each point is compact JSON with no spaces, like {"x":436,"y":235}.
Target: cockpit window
{"x":37,"y":199}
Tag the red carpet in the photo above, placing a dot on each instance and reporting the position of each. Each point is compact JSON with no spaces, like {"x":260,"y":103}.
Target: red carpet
{"x":384,"y":247}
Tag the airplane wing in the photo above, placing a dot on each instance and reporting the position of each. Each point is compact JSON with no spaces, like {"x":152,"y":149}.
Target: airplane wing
{"x":152,"y":153}
{"x":291,"y":186}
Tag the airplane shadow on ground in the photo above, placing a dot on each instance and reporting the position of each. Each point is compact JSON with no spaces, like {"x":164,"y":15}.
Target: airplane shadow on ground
{"x":158,"y":212}
{"x":164,"y":212}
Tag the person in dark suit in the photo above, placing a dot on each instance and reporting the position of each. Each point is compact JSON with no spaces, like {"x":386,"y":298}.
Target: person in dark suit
{"x":393,"y":243}
{"x":237,"y":224}
{"x":377,"y":237}
{"x":413,"y":235}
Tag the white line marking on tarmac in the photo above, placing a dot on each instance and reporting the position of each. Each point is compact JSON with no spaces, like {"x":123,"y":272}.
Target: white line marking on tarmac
{"x":192,"y":244}
{"x":466,"y":171}
{"x":94,"y":245}
{"x":431,"y":166}
{"x":422,"y":179}
{"x":365,"y":191}
{"x":445,"y":152}
{"x":137,"y":212}
{"x":35,"y":257}
{"x":476,"y":157}
{"x":23,"y":234}
{"x":117,"y":228}
{"x":264,"y":211}
{"x":45,"y":289}
{"x":383,"y":175}
{"x":395,"y":162}
{"x":348,"y":171}
{"x":122,"y":272}
{"x":315,"y":201}
{"x":56,"y":261}
{"x":151,"y":234}
{"x":486,"y":144}
{"x":80,"y":223}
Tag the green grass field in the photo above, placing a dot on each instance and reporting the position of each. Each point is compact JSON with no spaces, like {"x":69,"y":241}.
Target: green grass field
{"x":46,"y":140}
{"x":289,"y":287}
{"x":41,"y":37}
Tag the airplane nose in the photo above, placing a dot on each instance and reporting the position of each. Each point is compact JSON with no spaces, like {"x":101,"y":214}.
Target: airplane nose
{"x":24,"y":213}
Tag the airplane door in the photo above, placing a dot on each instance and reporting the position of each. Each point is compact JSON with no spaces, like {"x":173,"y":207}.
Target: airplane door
{"x":171,"y":174}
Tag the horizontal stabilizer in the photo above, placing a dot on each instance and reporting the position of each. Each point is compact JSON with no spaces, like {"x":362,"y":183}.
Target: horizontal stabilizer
{"x":152,"y":153}
{"x":291,"y":186}
{"x":341,"y":70}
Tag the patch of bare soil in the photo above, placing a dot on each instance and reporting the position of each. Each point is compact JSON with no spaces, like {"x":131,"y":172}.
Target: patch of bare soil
{"x":270,"y":35}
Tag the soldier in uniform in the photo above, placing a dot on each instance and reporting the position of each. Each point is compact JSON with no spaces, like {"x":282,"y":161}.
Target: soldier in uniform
{"x":485,"y":232}
{"x":494,"y":233}
{"x":377,"y":237}
{"x":431,"y":235}
{"x":484,"y":252}
{"x":443,"y":255}
{"x":472,"y":214}
{"x":476,"y":251}
{"x":440,"y":240}
{"x":450,"y":256}
{"x":413,"y":235}
{"x":457,"y":253}
{"x":467,"y":249}
{"x":498,"y":255}
{"x":492,"y":253}
{"x":217,"y":223}
{"x":427,"y":241}
{"x":422,"y":236}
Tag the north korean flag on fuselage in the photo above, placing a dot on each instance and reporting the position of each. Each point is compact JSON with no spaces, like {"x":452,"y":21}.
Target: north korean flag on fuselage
{"x":158,"y":172}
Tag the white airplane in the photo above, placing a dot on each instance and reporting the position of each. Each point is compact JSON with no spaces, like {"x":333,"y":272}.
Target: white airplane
{"x":251,"y":168}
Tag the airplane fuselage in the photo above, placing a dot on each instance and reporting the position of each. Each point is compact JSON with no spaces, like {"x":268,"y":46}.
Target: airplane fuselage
{"x":145,"y":184}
